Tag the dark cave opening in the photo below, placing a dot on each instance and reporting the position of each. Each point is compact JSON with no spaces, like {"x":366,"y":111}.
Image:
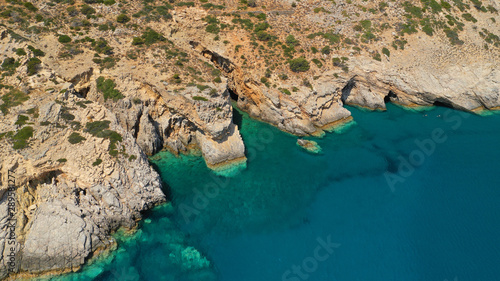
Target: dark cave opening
{"x":442,"y":104}
{"x":388,"y":97}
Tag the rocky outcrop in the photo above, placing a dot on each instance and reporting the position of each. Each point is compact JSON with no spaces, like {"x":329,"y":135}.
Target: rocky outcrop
{"x":174,"y":92}
{"x":309,"y":146}
{"x":71,"y":196}
{"x":226,"y":149}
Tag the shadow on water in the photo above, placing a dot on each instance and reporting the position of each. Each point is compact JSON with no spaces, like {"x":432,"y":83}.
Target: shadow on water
{"x":165,"y":187}
{"x":237,"y":117}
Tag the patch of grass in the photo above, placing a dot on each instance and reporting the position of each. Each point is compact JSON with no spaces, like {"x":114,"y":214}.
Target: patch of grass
{"x":21,"y":137}
{"x":97,"y":162}
{"x":33,"y":64}
{"x":100,"y":129}
{"x":62,"y":160}
{"x":469,"y":17}
{"x":101,"y":46}
{"x":82,"y":104}
{"x":75,"y":138}
{"x":36,"y":52}
{"x":198,"y":98}
{"x":30,"y":6}
{"x":317,"y":62}
{"x":291,"y":41}
{"x":13,"y":98}
{"x":386,"y":52}
{"x":202,"y":87}
{"x":107,"y":88}
{"x":64,"y":39}
{"x":131,"y":158}
{"x":122,"y":18}
{"x":299,"y":65}
{"x":20,"y":52}
{"x":285,"y":91}
{"x":21,"y":120}
{"x":453,"y":37}
{"x":185,"y":4}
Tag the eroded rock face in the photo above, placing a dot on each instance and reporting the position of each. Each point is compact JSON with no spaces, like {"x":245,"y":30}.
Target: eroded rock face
{"x":224,"y":149}
{"x":71,"y":196}
{"x":175,"y":95}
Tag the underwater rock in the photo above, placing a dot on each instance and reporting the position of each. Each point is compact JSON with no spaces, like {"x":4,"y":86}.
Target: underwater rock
{"x":310,"y":146}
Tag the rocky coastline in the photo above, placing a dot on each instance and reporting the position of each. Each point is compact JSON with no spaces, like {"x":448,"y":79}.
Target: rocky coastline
{"x":75,"y":134}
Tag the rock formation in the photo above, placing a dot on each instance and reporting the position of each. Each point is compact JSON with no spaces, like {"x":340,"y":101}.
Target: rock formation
{"x":89,"y":89}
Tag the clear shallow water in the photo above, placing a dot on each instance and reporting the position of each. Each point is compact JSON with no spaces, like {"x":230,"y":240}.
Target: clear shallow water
{"x":438,"y":219}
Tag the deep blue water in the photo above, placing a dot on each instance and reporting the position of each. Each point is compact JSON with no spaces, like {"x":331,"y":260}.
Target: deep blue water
{"x":374,"y":205}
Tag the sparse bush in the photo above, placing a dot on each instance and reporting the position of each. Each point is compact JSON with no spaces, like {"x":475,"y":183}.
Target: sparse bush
{"x":291,"y":41}
{"x":30,"y":6}
{"x":21,"y":120}
{"x":20,"y":52}
{"x":21,"y":137}
{"x":64,"y":39}
{"x":123,"y":18}
{"x":299,"y":65}
{"x":107,"y":88}
{"x":87,"y":10}
{"x":198,"y":98}
{"x":75,"y":138}
{"x":386,"y":52}
{"x":33,"y":64}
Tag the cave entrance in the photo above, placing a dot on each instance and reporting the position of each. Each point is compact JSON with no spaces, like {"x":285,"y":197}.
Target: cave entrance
{"x":232,"y":95}
{"x":390,"y":95}
{"x":83,"y":92}
{"x":442,"y":104}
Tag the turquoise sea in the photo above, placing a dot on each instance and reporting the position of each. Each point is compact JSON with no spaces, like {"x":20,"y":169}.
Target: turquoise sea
{"x":398,"y":195}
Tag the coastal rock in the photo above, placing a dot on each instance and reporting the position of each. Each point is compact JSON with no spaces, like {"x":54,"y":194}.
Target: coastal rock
{"x":147,"y":136}
{"x":72,"y":196}
{"x":223,"y":151}
{"x":309,"y":145}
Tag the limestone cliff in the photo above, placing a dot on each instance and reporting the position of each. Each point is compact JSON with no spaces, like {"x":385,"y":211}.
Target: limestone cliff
{"x":90,"y":88}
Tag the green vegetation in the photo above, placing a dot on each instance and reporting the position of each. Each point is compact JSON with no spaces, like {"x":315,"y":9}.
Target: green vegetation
{"x":185,"y":4}
{"x":149,"y":37}
{"x":12,"y":98}
{"x":285,"y":91}
{"x":198,"y":98}
{"x":21,"y":137}
{"x":75,"y":138}
{"x":107,"y":88}
{"x":87,"y":10}
{"x":299,"y":65}
{"x":9,"y":65}
{"x":64,"y":39}
{"x":36,"y":52}
{"x":386,"y":52}
{"x":123,"y":18}
{"x":30,"y":6}
{"x":318,"y":63}
{"x":291,"y":41}
{"x":469,"y":17}
{"x":453,"y":37}
{"x":100,"y":129}
{"x":21,"y":120}
{"x":97,"y":162}
{"x":20,"y":52}
{"x":62,"y":160}
{"x":101,"y":46}
{"x":132,"y":157}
